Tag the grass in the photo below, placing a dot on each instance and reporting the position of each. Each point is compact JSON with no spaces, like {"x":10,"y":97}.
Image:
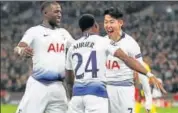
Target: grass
{"x":12,"y":108}
{"x":6,"y":108}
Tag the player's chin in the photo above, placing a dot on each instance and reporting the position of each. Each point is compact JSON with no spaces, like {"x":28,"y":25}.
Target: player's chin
{"x":110,"y":35}
{"x":58,"y":23}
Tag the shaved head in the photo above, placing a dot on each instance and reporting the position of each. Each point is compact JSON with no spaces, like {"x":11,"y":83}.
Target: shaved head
{"x":46,"y":5}
{"x":51,"y":13}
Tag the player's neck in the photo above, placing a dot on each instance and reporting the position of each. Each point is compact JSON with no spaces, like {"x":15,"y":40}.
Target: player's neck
{"x":89,"y":32}
{"x":117,"y":38}
{"x":47,"y":25}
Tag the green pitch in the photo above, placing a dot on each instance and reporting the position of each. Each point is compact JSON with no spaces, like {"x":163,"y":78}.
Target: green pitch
{"x":8,"y":108}
{"x":12,"y":108}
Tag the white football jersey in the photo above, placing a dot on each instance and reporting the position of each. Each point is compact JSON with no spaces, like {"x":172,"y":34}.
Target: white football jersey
{"x":117,"y":70}
{"x":87,"y":57}
{"x":49,"y":51}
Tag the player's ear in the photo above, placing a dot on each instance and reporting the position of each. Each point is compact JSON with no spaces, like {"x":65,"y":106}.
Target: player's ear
{"x":45,"y":12}
{"x":96,"y":26}
{"x":121,"y":22}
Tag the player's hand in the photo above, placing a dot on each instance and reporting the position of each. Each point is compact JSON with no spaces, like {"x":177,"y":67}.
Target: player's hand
{"x":27,"y":52}
{"x":158,"y":84}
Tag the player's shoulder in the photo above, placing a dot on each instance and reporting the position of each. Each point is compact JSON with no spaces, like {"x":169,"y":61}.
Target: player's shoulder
{"x":74,"y":43}
{"x":129,"y":39}
{"x":63,"y":30}
{"x":34,"y":29}
{"x":97,"y":39}
{"x":102,"y":40}
{"x":65,"y":33}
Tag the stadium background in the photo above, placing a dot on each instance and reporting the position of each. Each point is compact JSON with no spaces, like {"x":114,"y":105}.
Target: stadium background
{"x":153,"y":24}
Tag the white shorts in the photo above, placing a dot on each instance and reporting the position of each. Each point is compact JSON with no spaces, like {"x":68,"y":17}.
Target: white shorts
{"x":41,"y":98}
{"x":88,"y":104}
{"x":121,"y":99}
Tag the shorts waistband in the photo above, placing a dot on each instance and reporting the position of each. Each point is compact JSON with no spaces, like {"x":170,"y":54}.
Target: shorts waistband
{"x":120,"y":83}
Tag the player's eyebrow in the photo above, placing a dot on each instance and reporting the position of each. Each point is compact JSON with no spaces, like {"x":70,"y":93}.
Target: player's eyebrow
{"x":111,"y":20}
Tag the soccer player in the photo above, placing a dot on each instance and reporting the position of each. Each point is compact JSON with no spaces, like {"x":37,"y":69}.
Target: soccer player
{"x":86,"y":61}
{"x":45,"y":44}
{"x":119,"y":76}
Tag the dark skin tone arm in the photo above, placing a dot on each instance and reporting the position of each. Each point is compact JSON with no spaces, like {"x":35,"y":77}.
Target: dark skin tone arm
{"x":131,"y":62}
{"x":70,"y":81}
{"x":137,"y":66}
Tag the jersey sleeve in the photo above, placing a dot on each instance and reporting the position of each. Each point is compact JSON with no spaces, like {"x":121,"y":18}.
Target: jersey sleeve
{"x":134,"y":50}
{"x":28,"y":36}
{"x":68,"y":60}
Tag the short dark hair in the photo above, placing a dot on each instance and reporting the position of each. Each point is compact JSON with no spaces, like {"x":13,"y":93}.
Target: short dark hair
{"x":114,"y":12}
{"x":46,"y":4}
{"x":86,"y":21}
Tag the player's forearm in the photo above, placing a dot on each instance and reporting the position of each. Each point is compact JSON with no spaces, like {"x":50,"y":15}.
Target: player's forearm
{"x":135,"y":65}
{"x":132,"y":63}
{"x":69,"y":90}
{"x":70,"y":81}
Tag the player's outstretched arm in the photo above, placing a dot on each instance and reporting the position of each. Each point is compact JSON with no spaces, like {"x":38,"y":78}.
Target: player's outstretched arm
{"x":70,"y":81}
{"x":23,"y":49}
{"x":137,"y":66}
{"x":131,"y":62}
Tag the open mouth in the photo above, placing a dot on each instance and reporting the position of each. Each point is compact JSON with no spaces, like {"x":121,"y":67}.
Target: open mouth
{"x":110,"y":30}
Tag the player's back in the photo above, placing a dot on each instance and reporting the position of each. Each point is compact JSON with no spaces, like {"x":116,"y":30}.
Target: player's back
{"x":88,"y":57}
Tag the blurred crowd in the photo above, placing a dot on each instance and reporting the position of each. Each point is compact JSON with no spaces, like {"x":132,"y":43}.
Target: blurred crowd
{"x":156,"y":33}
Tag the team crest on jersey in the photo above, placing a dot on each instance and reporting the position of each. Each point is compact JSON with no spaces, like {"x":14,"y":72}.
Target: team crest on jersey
{"x":113,"y":43}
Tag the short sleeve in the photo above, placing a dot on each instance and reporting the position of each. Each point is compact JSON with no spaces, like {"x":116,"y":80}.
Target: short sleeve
{"x":28,"y":36}
{"x":68,"y":60}
{"x":134,"y":50}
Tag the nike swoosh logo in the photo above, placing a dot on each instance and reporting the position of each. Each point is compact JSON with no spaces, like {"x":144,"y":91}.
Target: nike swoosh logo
{"x":45,"y":35}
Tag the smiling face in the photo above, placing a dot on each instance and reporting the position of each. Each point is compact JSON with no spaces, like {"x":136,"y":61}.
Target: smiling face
{"x":53,"y":14}
{"x":112,"y":25}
